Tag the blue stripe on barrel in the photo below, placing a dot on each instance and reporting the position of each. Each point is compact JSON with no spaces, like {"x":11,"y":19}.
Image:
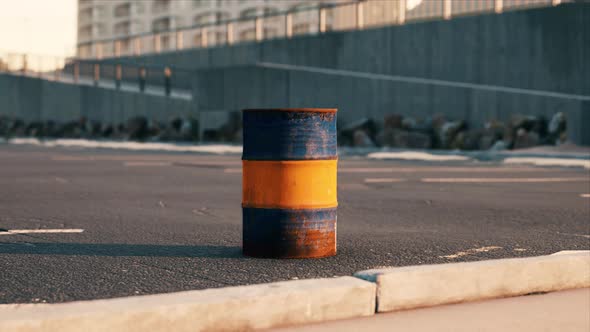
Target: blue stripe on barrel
{"x":289,"y":135}
{"x":289,"y":233}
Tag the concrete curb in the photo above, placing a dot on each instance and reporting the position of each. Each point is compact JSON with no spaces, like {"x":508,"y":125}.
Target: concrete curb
{"x":224,"y":309}
{"x":428,"y":285}
{"x":308,"y":301}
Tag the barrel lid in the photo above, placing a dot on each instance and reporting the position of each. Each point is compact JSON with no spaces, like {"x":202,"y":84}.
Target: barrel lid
{"x":315,"y":110}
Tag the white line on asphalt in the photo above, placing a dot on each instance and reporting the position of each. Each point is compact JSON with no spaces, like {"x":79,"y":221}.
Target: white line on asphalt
{"x":585,"y":195}
{"x":37,"y":231}
{"x":549,"y":162}
{"x":419,"y":169}
{"x":438,"y":169}
{"x":146,"y":163}
{"x":415,"y":155}
{"x":502,"y":180}
{"x":384,"y":180}
{"x":366,"y":170}
{"x":470,"y":252}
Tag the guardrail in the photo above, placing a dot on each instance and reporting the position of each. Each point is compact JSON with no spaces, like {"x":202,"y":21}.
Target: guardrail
{"x":317,"y":19}
{"x":122,"y":75}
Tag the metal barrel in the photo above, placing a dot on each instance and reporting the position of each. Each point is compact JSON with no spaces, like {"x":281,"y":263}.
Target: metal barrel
{"x":289,"y":181}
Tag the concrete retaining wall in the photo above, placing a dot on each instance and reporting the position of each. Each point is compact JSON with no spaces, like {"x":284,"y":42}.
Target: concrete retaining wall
{"x":543,"y":48}
{"x":250,"y":87}
{"x":33,"y":99}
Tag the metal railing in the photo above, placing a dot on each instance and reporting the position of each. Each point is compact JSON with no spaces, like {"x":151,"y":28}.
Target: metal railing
{"x":121,"y":75}
{"x":316,"y":19}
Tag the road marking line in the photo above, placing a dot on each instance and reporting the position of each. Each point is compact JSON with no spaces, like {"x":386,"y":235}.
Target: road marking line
{"x":146,"y":163}
{"x":548,"y":161}
{"x":37,"y":231}
{"x":437,"y":169}
{"x":470,"y":252}
{"x":384,"y":180}
{"x":366,"y":170}
{"x":418,"y":156}
{"x":585,"y":195}
{"x":501,"y":180}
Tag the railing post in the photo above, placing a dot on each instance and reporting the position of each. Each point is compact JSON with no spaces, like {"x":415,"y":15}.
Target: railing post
{"x":179,"y":40}
{"x":322,"y":19}
{"x":204,"y":35}
{"x":157,"y":43}
{"x":289,"y":25}
{"x":96,"y":73}
{"x":258,"y":29}
{"x":137,"y":46}
{"x":117,"y":47}
{"x":401,"y":17}
{"x":360,"y":16}
{"x":25,"y":66}
{"x":229,"y":29}
{"x":498,"y":6}
{"x":142,"y":76}
{"x":76,"y":71}
{"x":118,"y":76}
{"x":167,"y":80}
{"x":447,"y":9}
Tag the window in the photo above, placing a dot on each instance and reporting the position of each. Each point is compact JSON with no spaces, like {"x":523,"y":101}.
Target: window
{"x":249,"y":13}
{"x":85,"y":32}
{"x":270,"y":11}
{"x":162,"y":24}
{"x":100,"y":12}
{"x":161,"y":6}
{"x":86,"y":15}
{"x":221,"y":16}
{"x":123,"y":28}
{"x":100,"y":29}
{"x":204,"y":19}
{"x":123,"y":10}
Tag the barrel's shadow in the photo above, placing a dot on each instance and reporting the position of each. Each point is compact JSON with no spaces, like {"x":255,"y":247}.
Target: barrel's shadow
{"x":121,"y":250}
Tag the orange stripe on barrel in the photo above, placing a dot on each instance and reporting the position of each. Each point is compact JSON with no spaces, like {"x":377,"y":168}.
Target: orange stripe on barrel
{"x":300,"y":184}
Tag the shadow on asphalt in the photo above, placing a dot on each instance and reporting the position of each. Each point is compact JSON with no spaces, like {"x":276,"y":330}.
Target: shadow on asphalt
{"x":115,"y":250}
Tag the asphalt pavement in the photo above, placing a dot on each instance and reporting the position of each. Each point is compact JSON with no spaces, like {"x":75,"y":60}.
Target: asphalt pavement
{"x":144,"y":223}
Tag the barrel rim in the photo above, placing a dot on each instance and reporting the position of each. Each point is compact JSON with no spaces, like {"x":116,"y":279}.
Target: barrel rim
{"x":312,"y":110}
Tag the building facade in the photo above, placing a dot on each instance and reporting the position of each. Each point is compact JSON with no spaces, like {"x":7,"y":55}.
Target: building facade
{"x":119,"y":19}
{"x":122,"y":27}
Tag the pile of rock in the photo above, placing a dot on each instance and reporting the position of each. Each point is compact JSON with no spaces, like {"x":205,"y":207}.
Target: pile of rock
{"x":438,"y":132}
{"x":396,"y":131}
{"x":137,"y":128}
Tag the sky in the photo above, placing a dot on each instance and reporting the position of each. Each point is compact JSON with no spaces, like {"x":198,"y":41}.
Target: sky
{"x":41,"y":27}
{"x":47,"y":27}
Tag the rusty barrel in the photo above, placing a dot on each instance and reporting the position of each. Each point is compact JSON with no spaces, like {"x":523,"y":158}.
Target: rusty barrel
{"x":289,"y":183}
